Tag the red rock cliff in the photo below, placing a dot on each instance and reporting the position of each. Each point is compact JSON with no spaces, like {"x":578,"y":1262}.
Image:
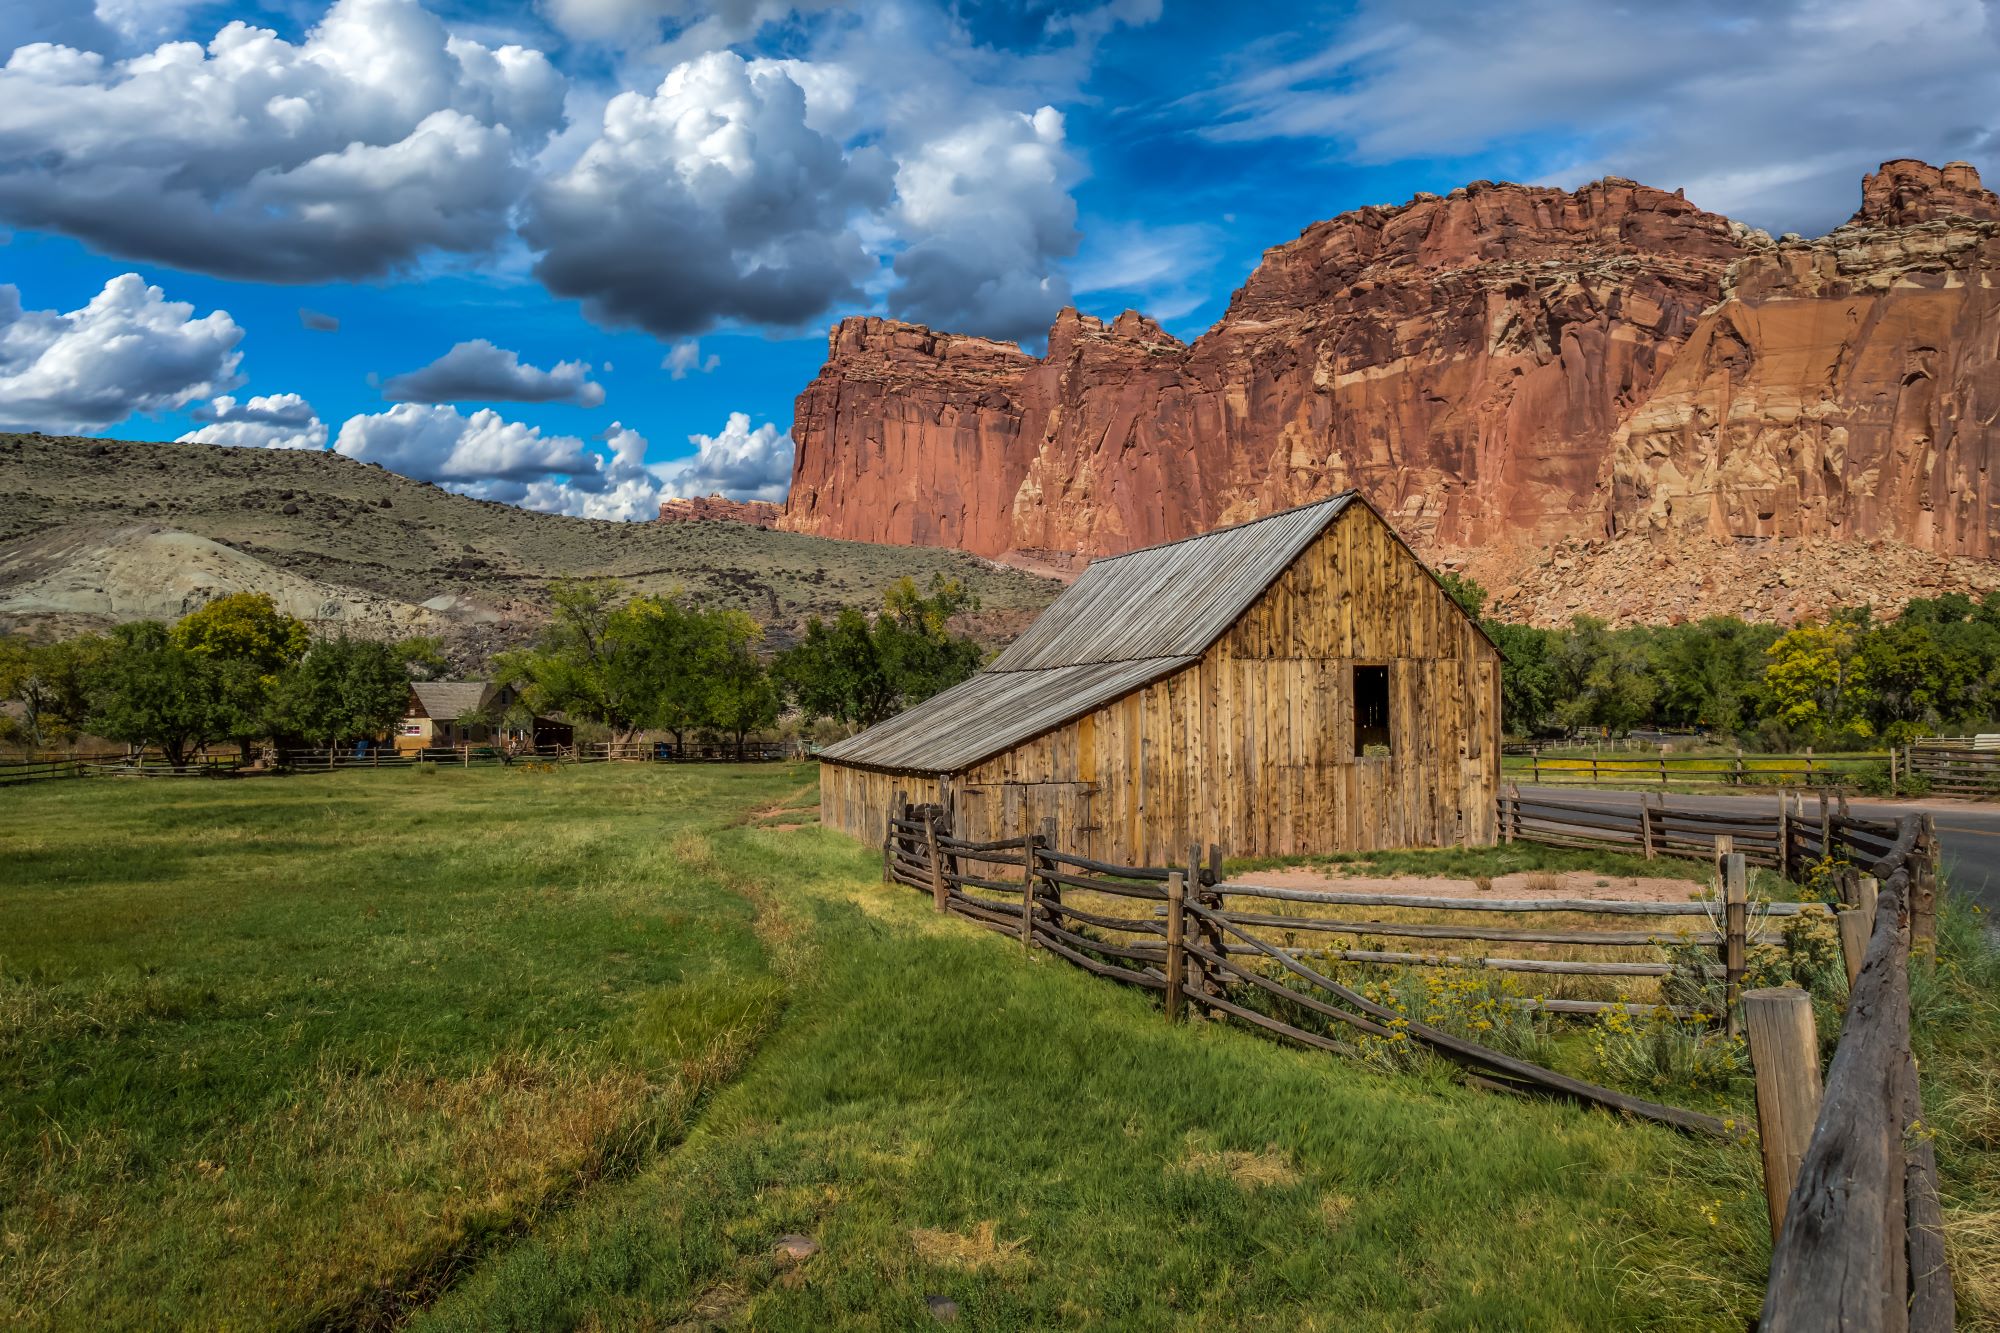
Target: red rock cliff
{"x":1499,"y":369}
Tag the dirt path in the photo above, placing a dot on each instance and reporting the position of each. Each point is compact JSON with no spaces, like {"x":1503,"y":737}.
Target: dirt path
{"x":1522,"y":884}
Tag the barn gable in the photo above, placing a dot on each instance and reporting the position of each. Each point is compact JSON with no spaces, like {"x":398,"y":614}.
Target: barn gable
{"x":1127,"y":621}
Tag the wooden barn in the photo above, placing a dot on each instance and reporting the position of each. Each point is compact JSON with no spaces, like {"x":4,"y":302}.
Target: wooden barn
{"x":1299,"y":683}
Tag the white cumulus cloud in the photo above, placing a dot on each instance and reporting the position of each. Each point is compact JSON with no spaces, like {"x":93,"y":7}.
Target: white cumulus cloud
{"x":741,"y":463}
{"x":266,"y":421}
{"x":481,"y":372}
{"x":708,"y":199}
{"x":685,"y":357}
{"x":129,"y":350}
{"x":377,"y":139}
{"x":438,"y":443}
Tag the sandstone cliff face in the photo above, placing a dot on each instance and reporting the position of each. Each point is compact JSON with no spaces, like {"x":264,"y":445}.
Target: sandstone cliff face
{"x":720,"y":509}
{"x":1499,"y":369}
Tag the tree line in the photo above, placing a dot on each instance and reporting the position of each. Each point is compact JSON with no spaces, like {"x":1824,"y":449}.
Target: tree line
{"x":239,"y":670}
{"x":630,"y":663}
{"x":1848,"y":680}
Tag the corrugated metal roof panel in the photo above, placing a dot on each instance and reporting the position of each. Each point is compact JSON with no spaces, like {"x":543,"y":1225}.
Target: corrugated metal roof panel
{"x":1167,"y":601}
{"x":994,"y":711}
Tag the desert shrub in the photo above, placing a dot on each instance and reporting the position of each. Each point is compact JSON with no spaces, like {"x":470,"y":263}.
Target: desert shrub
{"x":1665,"y":1057}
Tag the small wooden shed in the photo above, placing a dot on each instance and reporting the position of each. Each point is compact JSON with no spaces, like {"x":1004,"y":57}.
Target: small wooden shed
{"x":1299,"y":683}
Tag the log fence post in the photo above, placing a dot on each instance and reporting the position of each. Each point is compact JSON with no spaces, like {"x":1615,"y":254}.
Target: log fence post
{"x":1784,"y":838}
{"x":1176,"y":962}
{"x":1646,"y":825}
{"x":1512,"y":824}
{"x":1784,"y":1056}
{"x":899,"y":809}
{"x":1735,"y":936}
{"x":1030,"y":844}
{"x":938,"y":895}
{"x":1855,"y":928}
{"x":1825,"y":825}
{"x":1923,"y":891}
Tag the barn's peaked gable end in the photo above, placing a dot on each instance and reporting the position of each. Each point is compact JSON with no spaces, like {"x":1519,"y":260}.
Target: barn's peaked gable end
{"x":1126,"y":621}
{"x":1296,"y":684}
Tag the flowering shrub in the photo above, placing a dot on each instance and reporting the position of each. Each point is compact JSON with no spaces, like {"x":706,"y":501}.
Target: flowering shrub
{"x":1663,"y":1055}
{"x":1466,"y":1002}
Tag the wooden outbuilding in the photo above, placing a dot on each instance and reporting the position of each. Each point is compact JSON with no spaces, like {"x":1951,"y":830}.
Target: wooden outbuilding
{"x":1299,"y":683}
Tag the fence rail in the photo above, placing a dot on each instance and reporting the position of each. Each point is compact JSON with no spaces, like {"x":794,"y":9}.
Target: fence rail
{"x":1802,"y":770}
{"x":1861,"y":1231}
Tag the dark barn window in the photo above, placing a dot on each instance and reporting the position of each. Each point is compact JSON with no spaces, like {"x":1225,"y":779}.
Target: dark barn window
{"x":1371,"y":710}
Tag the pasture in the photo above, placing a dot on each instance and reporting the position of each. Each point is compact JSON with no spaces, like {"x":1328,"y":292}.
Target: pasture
{"x":579,"y":1048}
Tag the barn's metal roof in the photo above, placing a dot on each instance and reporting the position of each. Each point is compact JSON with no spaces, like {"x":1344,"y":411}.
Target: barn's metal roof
{"x":994,"y":711}
{"x":449,"y":700}
{"x":1126,"y":622}
{"x":1168,"y":601}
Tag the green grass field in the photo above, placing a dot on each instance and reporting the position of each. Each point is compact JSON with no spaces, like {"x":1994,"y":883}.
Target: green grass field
{"x":576,"y":1048}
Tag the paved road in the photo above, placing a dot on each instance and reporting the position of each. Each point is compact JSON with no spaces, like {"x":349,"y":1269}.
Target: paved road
{"x":1968,"y":833}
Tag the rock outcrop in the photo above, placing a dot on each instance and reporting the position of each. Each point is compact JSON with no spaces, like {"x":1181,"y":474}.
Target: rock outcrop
{"x":721,"y":509}
{"x":1501,"y":370}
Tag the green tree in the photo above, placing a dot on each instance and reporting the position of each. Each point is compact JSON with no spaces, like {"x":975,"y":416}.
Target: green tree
{"x":344,"y":689}
{"x":1468,"y":593}
{"x":836,"y":671}
{"x":151,"y":691}
{"x":743,"y":697}
{"x":52,"y":683}
{"x":1809,"y":677}
{"x":599,"y":658}
{"x":251,"y":644}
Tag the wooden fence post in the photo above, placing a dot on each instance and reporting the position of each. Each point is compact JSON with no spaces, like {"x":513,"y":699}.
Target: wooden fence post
{"x":899,"y":808}
{"x":1784,"y":838}
{"x":938,"y":896}
{"x":1855,"y":928}
{"x":1893,"y":787}
{"x":1176,"y":963}
{"x":1867,"y":890}
{"x":1735,"y":933}
{"x":1923,"y":891}
{"x":1784,"y":1055}
{"x":1825,"y":824}
{"x":1029,"y":844}
{"x":1646,"y":824}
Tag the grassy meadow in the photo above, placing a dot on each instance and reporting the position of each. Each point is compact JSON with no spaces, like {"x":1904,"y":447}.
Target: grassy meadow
{"x":579,"y":1048}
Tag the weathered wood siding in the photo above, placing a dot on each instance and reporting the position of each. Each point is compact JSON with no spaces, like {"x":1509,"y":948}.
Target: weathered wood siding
{"x":856,"y":800}
{"x":1252,"y":748}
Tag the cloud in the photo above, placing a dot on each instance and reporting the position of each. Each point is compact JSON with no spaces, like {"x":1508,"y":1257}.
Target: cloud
{"x":318,"y":321}
{"x":989,"y":213}
{"x":741,"y":463}
{"x":273,"y":421}
{"x":1156,"y":265}
{"x":437,"y":443}
{"x":129,"y":350}
{"x":620,"y":488}
{"x":1706,"y":95}
{"x":376,"y":140}
{"x":709,"y":199}
{"x":479,"y":371}
{"x":685,"y":356}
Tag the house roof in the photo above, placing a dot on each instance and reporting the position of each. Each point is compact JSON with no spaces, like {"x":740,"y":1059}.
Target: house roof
{"x":448,"y":700}
{"x":1126,"y":622}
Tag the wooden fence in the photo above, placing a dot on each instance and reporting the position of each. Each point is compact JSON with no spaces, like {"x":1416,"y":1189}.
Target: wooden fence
{"x":1852,"y":1176}
{"x":1956,"y":771}
{"x":1799,"y":770}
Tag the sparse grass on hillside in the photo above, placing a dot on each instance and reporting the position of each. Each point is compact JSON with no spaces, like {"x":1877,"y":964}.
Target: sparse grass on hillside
{"x":364,"y":1047}
{"x":359,"y":526}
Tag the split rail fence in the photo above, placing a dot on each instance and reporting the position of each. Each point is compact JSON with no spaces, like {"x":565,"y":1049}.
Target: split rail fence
{"x":1857,"y":1197}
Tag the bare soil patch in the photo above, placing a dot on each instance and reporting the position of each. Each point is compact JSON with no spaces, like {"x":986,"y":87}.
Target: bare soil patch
{"x":1522,"y":884}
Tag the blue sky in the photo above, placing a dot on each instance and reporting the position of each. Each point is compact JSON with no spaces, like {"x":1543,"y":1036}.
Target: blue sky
{"x":634,"y":220}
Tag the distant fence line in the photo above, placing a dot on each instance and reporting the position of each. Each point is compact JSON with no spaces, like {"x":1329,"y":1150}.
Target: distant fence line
{"x":381,"y":757}
{"x":1856,"y":1194}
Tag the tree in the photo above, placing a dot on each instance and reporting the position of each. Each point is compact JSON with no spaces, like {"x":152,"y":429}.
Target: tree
{"x":860,"y":673}
{"x":1808,"y":677}
{"x":151,"y":691}
{"x":52,"y":683}
{"x":1468,"y":593}
{"x":599,"y":658}
{"x":251,"y":644}
{"x":344,"y":689}
{"x":742,"y":695}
